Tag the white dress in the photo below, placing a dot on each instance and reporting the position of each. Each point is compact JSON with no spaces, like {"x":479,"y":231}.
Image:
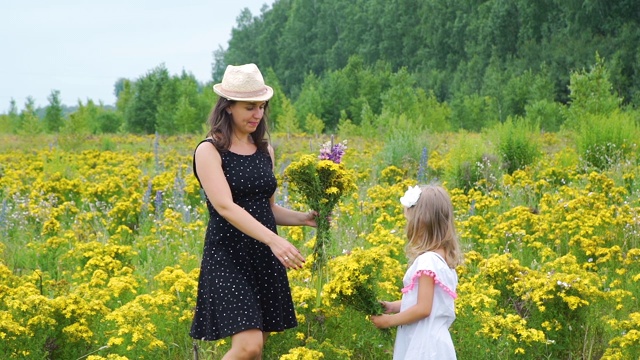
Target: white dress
{"x":429,"y":338}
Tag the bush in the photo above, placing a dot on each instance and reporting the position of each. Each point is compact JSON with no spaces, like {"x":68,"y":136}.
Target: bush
{"x":109,"y":122}
{"x":517,"y":145}
{"x":471,"y":163}
{"x":403,"y":149}
{"x":472,"y":112}
{"x":605,"y":140}
{"x":547,"y":114}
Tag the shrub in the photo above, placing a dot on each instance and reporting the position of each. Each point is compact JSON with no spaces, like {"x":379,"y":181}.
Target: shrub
{"x":517,"y":145}
{"x":472,"y":112}
{"x":547,"y":114}
{"x":604,"y":140}
{"x":591,"y":94}
{"x":403,"y":149}
{"x":471,"y":163}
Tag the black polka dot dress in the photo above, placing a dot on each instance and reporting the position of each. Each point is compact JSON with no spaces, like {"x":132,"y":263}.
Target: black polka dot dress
{"x":242,"y":284}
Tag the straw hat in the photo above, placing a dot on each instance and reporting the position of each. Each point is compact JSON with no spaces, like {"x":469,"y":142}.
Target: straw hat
{"x":243,"y":83}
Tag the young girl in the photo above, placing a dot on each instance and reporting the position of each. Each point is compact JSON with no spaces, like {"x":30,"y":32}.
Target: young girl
{"x":426,"y":310}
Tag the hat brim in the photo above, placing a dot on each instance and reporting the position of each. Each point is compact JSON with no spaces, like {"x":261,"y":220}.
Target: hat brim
{"x":268,"y":94}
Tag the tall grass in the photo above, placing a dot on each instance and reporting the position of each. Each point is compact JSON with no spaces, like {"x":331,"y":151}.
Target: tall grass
{"x":606,"y":140}
{"x":517,"y":143}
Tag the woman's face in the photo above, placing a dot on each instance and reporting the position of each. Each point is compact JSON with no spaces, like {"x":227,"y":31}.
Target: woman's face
{"x":247,"y":115}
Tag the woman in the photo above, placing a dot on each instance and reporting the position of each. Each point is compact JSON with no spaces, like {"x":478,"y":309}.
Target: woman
{"x":243,"y":290}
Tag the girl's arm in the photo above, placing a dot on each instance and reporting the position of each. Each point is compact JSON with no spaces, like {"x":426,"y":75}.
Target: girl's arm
{"x":419,"y":311}
{"x":214,"y":183}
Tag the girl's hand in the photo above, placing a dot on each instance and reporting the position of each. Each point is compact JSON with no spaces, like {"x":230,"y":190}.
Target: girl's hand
{"x":390,"y":307}
{"x":380,"y":321}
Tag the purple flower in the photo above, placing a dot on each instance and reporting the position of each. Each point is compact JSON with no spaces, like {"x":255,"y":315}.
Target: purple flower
{"x":333,"y":152}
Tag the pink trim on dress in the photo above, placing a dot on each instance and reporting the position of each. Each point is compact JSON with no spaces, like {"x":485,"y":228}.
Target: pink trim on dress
{"x":431,"y":274}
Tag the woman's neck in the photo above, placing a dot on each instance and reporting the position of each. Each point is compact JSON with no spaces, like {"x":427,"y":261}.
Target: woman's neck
{"x":241,"y":139}
{"x":242,"y":144}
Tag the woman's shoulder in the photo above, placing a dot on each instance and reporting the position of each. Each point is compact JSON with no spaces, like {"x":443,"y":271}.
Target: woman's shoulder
{"x":218,"y":140}
{"x":205,"y":143}
{"x":206,"y":147}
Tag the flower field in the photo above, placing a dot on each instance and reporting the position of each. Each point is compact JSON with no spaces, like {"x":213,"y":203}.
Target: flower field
{"x":100,"y":250}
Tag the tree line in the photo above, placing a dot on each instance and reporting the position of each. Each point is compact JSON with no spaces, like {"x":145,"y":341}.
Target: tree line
{"x":336,"y":65}
{"x":452,"y":47}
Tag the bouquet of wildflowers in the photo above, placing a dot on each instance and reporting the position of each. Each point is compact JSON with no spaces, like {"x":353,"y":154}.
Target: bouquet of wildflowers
{"x":321,"y":181}
{"x":356,"y":279}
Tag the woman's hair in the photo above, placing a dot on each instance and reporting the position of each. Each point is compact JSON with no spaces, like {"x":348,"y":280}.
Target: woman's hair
{"x":221,"y":127}
{"x":430,"y":226}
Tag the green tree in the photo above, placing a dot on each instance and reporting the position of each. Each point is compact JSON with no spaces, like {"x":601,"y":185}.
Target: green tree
{"x":78,"y":126}
{"x":591,"y":94}
{"x":447,"y":45}
{"x":124,"y":95}
{"x":186,"y":117}
{"x":5,"y":124}
{"x":272,"y":22}
{"x":288,"y":122}
{"x":547,"y":114}
{"x":82,"y":121}
{"x":165,"y":122}
{"x":309,"y":101}
{"x":277,"y":102}
{"x":91,"y":112}
{"x":473,"y":112}
{"x":624,"y":63}
{"x":313,"y":125}
{"x":29,"y":123}
{"x":119,"y":86}
{"x":218,"y":67}
{"x":335,"y":96}
{"x":367,"y":126}
{"x":53,"y":118}
{"x":434,"y":115}
{"x":141,"y":110}
{"x":243,"y":42}
{"x":108,"y":122}
{"x":13,"y":117}
{"x":300,"y":42}
{"x":346,"y":127}
{"x":194,"y":103}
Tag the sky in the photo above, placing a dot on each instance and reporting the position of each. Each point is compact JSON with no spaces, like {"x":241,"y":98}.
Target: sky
{"x":82,"y":47}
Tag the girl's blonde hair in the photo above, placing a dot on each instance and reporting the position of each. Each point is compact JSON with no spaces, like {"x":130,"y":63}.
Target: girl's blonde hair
{"x":430,"y":226}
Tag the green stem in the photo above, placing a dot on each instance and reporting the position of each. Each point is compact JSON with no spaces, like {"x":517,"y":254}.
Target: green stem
{"x":319,"y":283}
{"x":323,"y":238}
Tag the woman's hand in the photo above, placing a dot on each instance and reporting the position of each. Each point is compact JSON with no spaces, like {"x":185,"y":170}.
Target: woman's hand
{"x":310,"y":218}
{"x":288,"y":254}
